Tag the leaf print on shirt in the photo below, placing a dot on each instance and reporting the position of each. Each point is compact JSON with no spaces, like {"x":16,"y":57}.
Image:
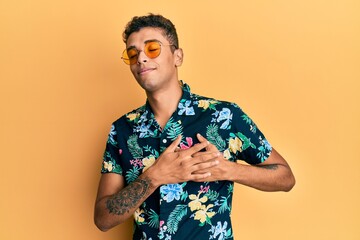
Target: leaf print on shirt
{"x":151,"y":150}
{"x":109,"y":164}
{"x":264,"y":149}
{"x":134,"y":147}
{"x":173,"y":129}
{"x":243,"y":144}
{"x":132,"y":174}
{"x":246,"y":141}
{"x":212,"y":195}
{"x":153,"y":219}
{"x":169,"y":192}
{"x":212,"y":134}
{"x":175,"y":217}
{"x":224,"y":205}
{"x":248,"y":120}
{"x":185,"y":107}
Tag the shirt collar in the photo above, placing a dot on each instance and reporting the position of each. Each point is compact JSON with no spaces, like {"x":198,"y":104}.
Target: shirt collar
{"x":146,"y":120}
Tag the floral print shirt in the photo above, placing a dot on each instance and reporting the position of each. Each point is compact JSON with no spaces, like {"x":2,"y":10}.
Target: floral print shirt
{"x":187,"y":210}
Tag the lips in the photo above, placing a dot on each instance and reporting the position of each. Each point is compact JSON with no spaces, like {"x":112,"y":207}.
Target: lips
{"x":145,"y":70}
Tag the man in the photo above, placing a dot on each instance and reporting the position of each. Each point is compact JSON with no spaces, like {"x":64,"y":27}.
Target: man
{"x":172,"y":162}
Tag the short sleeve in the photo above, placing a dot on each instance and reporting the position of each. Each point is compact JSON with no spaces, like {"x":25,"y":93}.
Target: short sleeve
{"x":254,"y":148}
{"x":111,"y":158}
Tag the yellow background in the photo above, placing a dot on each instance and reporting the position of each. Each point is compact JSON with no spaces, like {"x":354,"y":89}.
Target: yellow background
{"x":293,"y":66}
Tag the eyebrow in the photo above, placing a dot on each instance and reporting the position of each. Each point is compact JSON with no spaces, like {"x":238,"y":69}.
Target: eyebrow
{"x":150,"y":40}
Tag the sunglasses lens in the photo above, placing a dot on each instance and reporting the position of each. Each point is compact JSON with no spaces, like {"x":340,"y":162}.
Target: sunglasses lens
{"x":125,"y":57}
{"x":132,"y":55}
{"x":152,"y":49}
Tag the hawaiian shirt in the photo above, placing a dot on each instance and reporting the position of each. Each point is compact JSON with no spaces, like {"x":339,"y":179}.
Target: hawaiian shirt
{"x":185,"y":210}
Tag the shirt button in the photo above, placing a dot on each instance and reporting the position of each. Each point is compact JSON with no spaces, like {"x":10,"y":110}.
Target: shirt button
{"x":164,"y":141}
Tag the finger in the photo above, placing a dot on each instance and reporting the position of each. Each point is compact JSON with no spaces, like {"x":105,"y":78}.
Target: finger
{"x":197,"y":147}
{"x":210,"y":147}
{"x":174,"y":145}
{"x":203,"y":158}
{"x":207,"y":152}
{"x":202,"y":167}
{"x":199,"y":177}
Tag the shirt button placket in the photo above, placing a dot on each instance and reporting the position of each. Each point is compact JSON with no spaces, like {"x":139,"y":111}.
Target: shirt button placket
{"x":163,"y":212}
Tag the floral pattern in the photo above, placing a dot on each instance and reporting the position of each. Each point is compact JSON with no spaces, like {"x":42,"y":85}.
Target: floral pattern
{"x":171,"y":192}
{"x":188,"y":210}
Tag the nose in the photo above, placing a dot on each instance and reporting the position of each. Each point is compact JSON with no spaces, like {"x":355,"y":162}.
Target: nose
{"x":142,"y":58}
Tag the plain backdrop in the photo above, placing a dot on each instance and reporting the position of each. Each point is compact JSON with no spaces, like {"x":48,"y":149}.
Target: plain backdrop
{"x":293,"y":66}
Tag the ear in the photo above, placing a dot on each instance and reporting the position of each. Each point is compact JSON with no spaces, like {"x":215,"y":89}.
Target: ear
{"x":179,"y":56}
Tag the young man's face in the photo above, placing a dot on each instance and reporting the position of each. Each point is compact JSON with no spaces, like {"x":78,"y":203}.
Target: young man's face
{"x":154,"y":73}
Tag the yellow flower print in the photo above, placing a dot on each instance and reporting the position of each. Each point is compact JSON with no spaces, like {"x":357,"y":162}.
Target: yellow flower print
{"x":235,"y":145}
{"x":203,"y":213}
{"x":226,"y":154}
{"x":147,"y":162}
{"x":137,"y":216}
{"x":196,"y":202}
{"x":108,"y":166}
{"x":132,"y":116}
{"x":204,"y":104}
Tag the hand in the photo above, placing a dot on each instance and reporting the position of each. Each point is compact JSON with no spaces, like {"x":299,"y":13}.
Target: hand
{"x":223,"y":170}
{"x":174,"y":166}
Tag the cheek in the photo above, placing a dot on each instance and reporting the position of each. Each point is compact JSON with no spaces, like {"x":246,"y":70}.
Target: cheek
{"x":133,"y":70}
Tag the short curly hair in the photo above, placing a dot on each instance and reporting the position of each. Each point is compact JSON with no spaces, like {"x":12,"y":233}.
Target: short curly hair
{"x":155,"y":21}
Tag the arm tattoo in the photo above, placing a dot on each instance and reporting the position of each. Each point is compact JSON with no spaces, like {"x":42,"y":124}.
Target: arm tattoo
{"x":129,"y":197}
{"x":270,"y":166}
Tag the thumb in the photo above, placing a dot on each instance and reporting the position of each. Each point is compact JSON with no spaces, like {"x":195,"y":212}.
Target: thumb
{"x":174,"y":145}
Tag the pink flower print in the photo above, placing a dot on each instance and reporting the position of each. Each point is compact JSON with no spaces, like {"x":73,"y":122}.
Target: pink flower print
{"x":189,"y":142}
{"x":161,"y":222}
{"x":204,"y":189}
{"x":120,"y":151}
{"x":136,"y":163}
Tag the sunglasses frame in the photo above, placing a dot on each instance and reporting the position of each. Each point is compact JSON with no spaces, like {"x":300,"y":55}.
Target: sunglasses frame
{"x":147,"y":43}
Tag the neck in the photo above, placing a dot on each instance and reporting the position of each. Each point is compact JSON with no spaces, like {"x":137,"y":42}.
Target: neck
{"x":164,"y":102}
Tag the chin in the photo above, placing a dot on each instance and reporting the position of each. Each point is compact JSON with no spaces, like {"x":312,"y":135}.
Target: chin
{"x":148,"y":85}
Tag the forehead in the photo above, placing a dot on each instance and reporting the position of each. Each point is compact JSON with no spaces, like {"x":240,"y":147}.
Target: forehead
{"x":148,"y":33}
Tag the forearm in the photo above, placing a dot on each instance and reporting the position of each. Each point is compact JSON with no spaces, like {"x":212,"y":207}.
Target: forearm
{"x":115,"y":209}
{"x":272,"y":177}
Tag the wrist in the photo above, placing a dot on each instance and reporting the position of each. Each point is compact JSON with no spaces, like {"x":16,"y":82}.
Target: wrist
{"x":151,"y":174}
{"x":232,"y":169}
